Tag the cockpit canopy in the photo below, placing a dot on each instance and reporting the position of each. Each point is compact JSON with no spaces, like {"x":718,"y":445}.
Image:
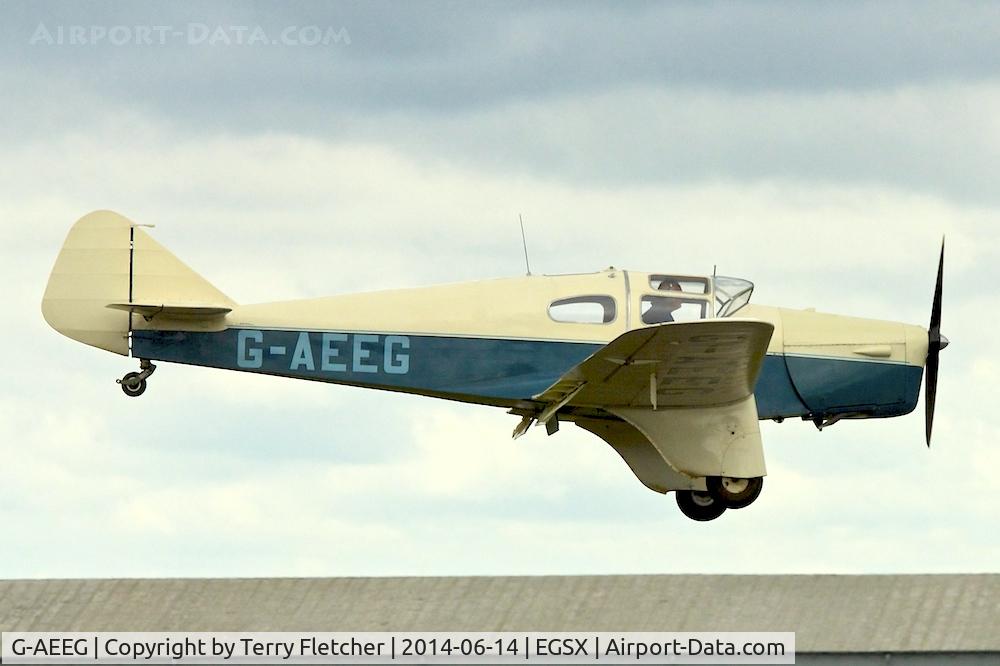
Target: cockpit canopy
{"x":648,"y":298}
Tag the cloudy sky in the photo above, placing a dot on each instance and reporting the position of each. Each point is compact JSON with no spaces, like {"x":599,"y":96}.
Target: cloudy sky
{"x":819,"y":149}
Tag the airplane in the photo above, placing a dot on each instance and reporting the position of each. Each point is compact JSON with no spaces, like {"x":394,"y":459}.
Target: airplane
{"x":673,"y":371}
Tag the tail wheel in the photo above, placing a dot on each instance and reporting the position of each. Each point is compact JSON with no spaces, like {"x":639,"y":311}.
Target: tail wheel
{"x":699,"y":505}
{"x":133,"y":385}
{"x":735,"y":493}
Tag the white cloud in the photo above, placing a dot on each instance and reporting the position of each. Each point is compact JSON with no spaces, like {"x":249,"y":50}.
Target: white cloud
{"x":223,"y":474}
{"x":339,"y":216}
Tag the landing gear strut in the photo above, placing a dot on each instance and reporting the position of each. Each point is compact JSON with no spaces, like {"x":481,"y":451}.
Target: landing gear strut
{"x":134,"y":383}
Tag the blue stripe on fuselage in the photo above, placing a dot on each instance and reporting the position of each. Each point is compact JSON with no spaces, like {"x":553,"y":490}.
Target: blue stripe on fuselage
{"x":831,"y":386}
{"x":776,"y":396}
{"x":792,"y":386}
{"x":504,"y":370}
{"x":470,"y":367}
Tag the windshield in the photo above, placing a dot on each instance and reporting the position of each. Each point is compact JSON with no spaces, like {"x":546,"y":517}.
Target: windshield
{"x":731,"y":294}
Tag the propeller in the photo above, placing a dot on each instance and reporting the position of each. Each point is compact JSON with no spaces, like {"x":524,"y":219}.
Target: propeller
{"x":935,"y":343}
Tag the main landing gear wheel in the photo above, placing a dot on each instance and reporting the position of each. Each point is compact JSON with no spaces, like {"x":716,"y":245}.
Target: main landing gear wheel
{"x":699,"y":505}
{"x":134,"y":383}
{"x":733,"y":492}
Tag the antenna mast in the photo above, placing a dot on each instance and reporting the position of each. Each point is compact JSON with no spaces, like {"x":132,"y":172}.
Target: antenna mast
{"x":524,"y":242}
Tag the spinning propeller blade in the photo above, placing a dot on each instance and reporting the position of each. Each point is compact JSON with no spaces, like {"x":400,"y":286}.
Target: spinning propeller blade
{"x":936,"y":342}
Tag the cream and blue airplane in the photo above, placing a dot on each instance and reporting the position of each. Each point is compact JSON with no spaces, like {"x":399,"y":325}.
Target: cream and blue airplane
{"x":673,"y":371}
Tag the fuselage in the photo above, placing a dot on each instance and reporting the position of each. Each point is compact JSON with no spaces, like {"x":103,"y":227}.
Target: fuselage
{"x":501,"y":342}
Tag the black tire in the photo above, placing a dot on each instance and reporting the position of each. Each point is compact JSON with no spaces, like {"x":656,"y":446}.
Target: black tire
{"x":735,"y":493}
{"x":132,"y":386}
{"x":699,"y":505}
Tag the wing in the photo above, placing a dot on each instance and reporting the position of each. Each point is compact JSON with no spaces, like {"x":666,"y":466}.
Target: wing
{"x":685,"y":364}
{"x":707,"y":367}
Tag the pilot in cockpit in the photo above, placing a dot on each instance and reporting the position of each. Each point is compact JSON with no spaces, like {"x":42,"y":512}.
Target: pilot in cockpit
{"x":662,"y":307}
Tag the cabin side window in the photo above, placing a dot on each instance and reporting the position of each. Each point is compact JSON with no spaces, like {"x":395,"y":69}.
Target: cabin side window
{"x":688,"y":285}
{"x":665,"y":309}
{"x":678,"y":298}
{"x":584,"y":310}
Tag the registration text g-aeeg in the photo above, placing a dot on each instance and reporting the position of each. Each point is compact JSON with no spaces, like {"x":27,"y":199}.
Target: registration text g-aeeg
{"x":336,"y":353}
{"x":51,"y":647}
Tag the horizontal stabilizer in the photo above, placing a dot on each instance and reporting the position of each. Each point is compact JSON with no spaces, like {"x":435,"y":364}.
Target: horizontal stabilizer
{"x":179,"y":310}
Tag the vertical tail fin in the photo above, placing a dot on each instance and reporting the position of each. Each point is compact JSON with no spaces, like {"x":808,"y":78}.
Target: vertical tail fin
{"x":106,"y":265}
